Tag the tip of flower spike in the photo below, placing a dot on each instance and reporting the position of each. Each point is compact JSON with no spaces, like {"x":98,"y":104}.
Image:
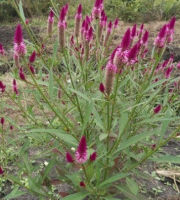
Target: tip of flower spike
{"x":157,"y":109}
{"x":81,"y":152}
{"x":126,"y":39}
{"x":133,"y":52}
{"x":62,"y":14}
{"x":79,"y":10}
{"x":133,"y":32}
{"x":69,"y":158}
{"x":172,"y":23}
{"x":163,"y":31}
{"x":93,"y":156}
{"x":51,"y":14}
{"x":116,"y":22}
{"x":145,"y":37}
{"x":32,"y":57}
{"x":18,"y":36}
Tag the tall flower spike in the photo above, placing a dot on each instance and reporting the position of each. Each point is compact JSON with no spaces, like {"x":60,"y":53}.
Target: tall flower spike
{"x":161,"y":38}
{"x":50,"y":22}
{"x":81,"y":152}
{"x":19,"y":46}
{"x":110,"y":72}
{"x":18,"y":36}
{"x":78,"y":20}
{"x":126,"y":40}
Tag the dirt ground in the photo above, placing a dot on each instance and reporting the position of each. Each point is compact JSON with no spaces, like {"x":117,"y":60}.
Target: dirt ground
{"x":164,"y":191}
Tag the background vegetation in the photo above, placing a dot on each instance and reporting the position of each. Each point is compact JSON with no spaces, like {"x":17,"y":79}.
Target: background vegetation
{"x":127,"y":10}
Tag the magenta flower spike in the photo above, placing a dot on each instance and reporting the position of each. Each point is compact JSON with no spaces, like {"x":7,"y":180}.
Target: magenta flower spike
{"x":2,"y":87}
{"x":168,"y":71}
{"x":81,"y":152}
{"x":171,"y":23}
{"x":132,"y":55}
{"x":116,"y":22}
{"x":32,"y":69}
{"x":69,"y":158}
{"x":1,"y":171}
{"x":18,"y":36}
{"x":145,"y":38}
{"x":161,"y":38}
{"x":15,"y":87}
{"x":157,"y":109}
{"x":21,"y":74}
{"x":51,"y":14}
{"x":141,"y":31}
{"x":32,"y":57}
{"x":82,"y":184}
{"x":78,"y":18}
{"x":93,"y":156}
{"x":101,"y":88}
{"x":126,"y":40}
{"x":50,"y":22}
{"x":2,"y":121}
{"x":19,"y":46}
{"x":109,"y":27}
{"x":2,"y":52}
{"x":89,"y":35}
{"x":133,"y":31}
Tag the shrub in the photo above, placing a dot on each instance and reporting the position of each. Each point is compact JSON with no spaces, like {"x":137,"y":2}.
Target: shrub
{"x":85,"y":125}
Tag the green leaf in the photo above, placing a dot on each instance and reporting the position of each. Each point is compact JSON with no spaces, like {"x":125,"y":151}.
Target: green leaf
{"x":123,"y":123}
{"x":133,"y":187}
{"x":76,"y":196}
{"x":133,"y":140}
{"x":111,"y":198}
{"x":103,"y":136}
{"x":80,"y":94}
{"x":14,"y":194}
{"x":69,"y":139}
{"x":167,"y":158}
{"x":97,"y":118}
{"x":128,"y":194}
{"x":21,"y":11}
{"x":88,"y":111}
{"x":113,"y":179}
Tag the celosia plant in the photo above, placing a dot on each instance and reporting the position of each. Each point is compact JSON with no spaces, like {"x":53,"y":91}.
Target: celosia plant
{"x":93,"y":126}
